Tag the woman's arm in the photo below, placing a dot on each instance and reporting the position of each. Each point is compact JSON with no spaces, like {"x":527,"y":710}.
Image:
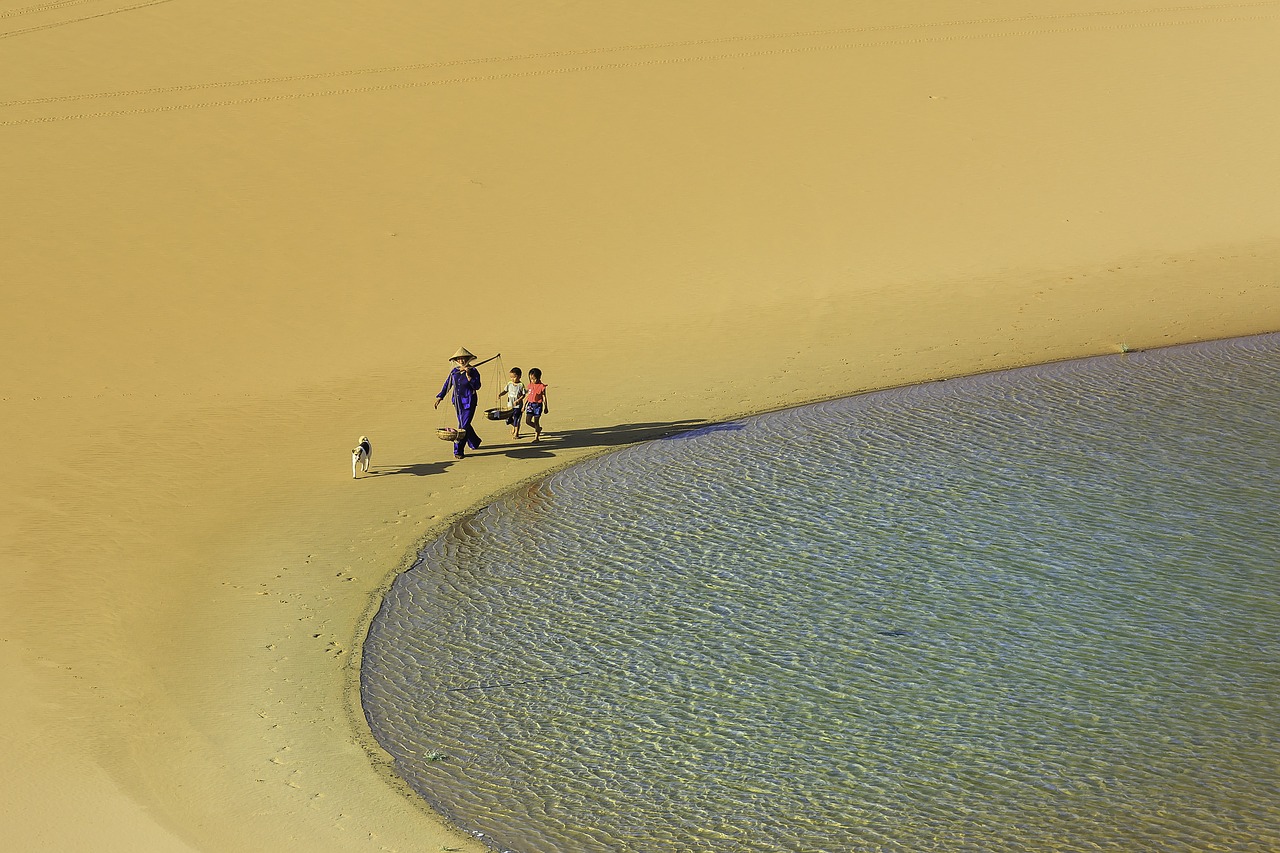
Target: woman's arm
{"x":448,"y":380}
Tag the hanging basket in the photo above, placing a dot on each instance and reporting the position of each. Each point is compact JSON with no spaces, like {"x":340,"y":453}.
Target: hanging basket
{"x":498,"y":414}
{"x":451,"y":434}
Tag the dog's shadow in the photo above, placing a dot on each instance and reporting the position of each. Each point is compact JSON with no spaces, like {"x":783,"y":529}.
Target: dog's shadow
{"x":418,"y":469}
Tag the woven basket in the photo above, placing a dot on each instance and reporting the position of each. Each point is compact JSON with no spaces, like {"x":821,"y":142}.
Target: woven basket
{"x":451,"y":434}
{"x":498,"y":414}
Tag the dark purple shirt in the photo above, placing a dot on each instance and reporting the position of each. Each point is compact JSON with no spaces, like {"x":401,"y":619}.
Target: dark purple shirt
{"x":464,"y":384}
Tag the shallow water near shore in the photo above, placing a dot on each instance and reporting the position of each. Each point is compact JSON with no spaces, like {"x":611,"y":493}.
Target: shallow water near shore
{"x":1030,"y":610}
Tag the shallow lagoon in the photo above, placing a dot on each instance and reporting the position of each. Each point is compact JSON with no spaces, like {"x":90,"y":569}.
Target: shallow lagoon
{"x":1031,"y":610}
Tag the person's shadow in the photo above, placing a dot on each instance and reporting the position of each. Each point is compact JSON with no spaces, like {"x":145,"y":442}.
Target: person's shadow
{"x":617,"y":435}
{"x":418,"y":469}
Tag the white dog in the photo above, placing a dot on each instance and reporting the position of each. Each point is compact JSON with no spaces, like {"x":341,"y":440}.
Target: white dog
{"x":361,"y":456}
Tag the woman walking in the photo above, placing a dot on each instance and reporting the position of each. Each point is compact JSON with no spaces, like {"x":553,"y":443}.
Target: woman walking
{"x":464,"y":380}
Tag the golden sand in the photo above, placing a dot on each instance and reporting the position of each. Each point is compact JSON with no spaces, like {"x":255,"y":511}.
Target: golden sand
{"x":239,"y":236}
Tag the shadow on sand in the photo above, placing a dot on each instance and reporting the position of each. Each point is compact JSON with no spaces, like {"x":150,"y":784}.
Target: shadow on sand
{"x":418,"y":469}
{"x":612,"y":436}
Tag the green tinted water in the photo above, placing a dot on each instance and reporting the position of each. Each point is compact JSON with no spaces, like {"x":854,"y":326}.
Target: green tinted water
{"x":1034,"y":610}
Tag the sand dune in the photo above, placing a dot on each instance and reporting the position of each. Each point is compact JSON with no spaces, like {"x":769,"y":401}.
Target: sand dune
{"x":237,"y":237}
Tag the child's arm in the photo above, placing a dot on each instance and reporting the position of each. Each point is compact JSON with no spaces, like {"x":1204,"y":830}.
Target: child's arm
{"x":546,"y":406}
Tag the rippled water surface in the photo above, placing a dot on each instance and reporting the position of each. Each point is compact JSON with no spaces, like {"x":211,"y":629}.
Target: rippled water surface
{"x":1034,"y":610}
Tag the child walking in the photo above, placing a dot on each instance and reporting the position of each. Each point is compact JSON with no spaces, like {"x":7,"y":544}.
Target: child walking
{"x":535,"y":403}
{"x":514,"y":393}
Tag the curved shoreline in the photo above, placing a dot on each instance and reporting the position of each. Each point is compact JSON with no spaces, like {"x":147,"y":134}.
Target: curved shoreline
{"x":414,"y":739}
{"x":378,"y":756}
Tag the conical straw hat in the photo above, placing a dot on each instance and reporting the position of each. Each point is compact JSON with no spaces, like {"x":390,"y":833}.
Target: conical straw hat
{"x":461,"y":353}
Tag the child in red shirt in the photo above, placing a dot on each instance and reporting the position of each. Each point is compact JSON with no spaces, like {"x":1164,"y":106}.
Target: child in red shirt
{"x":535,"y":403}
